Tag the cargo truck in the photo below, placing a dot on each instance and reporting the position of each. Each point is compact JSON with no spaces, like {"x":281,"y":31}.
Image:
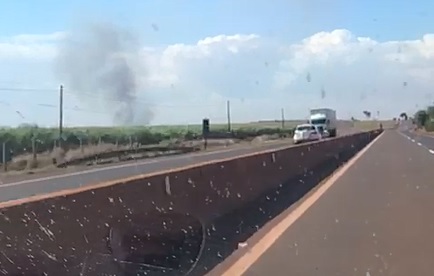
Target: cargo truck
{"x":325,"y":119}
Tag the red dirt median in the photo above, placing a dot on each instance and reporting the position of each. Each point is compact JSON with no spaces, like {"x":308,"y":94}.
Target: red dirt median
{"x":143,"y":222}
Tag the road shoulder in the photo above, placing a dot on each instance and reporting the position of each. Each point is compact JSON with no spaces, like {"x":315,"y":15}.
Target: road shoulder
{"x":374,"y":220}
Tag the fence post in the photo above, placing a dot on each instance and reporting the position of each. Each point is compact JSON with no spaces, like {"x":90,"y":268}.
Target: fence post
{"x":34,"y":149}
{"x":5,"y":165}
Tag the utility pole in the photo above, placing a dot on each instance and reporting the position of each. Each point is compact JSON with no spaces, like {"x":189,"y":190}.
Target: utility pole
{"x":60,"y":116}
{"x":228,"y":111}
{"x":283,"y":118}
{"x":34,"y":154}
{"x":5,"y":163}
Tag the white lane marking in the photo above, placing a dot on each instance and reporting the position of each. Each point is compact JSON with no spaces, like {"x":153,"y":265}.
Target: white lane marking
{"x":419,"y":144}
{"x":182,"y":156}
{"x":250,"y":257}
{"x":427,"y":136}
{"x":404,"y":135}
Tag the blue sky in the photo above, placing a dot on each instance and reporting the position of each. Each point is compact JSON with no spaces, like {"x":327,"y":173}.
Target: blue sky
{"x":284,"y":21}
{"x":191,"y":20}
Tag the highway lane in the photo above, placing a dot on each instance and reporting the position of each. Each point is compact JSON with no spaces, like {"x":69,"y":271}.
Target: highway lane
{"x":43,"y":185}
{"x":376,"y":219}
{"x":423,"y":140}
{"x":30,"y":186}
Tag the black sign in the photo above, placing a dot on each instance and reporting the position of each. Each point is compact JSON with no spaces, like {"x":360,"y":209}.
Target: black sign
{"x":205,"y":127}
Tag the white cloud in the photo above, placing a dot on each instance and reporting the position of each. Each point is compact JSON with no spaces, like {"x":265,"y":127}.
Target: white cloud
{"x":30,"y":46}
{"x":35,"y":38}
{"x":259,"y":75}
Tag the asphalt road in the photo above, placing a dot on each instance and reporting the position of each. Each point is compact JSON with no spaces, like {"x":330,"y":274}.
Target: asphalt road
{"x":11,"y":189}
{"x":377,"y":219}
{"x":423,"y":140}
{"x":44,"y":185}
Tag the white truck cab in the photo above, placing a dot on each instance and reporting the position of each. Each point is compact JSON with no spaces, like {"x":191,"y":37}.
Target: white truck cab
{"x":325,"y":119}
{"x":305,"y":133}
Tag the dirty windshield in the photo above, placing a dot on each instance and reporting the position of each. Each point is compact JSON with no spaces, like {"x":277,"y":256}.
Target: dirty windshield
{"x":318,"y":121}
{"x":305,"y":127}
{"x":173,"y":137}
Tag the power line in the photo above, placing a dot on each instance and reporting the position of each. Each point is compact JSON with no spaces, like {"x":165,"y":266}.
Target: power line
{"x":152,"y":105}
{"x":26,"y":89}
{"x":141,"y":100}
{"x":76,"y":109}
{"x":106,"y":98}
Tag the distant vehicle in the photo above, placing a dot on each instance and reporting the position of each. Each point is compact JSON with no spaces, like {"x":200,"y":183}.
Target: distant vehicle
{"x":325,"y":119}
{"x":305,"y":133}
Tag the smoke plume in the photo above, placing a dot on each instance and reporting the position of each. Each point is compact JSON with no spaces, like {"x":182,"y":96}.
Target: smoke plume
{"x":101,"y":62}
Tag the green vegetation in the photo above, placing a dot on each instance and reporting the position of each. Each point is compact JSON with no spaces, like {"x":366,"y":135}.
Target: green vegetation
{"x":20,"y":140}
{"x":425,"y":118}
{"x":32,"y":147}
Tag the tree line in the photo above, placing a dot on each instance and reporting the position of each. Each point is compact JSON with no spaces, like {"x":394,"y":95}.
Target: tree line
{"x":424,"y":118}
